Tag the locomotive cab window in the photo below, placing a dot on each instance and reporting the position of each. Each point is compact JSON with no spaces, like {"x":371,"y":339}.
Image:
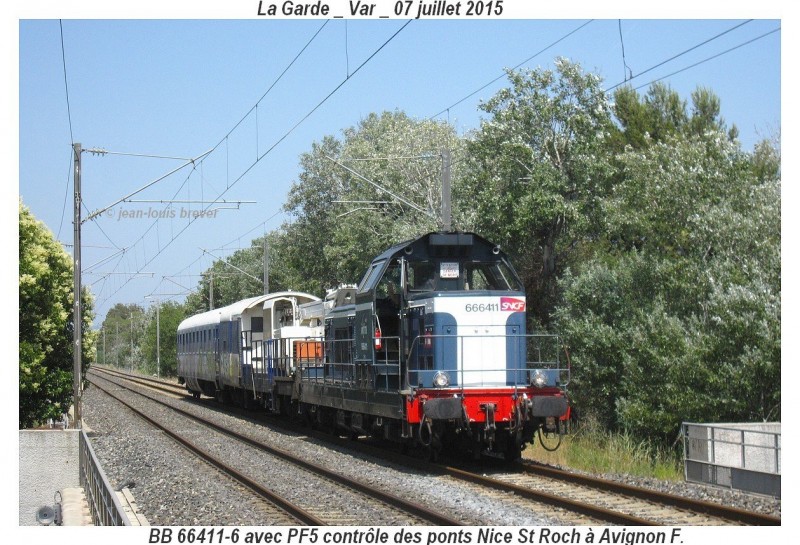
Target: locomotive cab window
{"x":495,"y":276}
{"x":421,"y":276}
{"x":371,"y":277}
{"x":389,"y":286}
{"x":434,"y":276}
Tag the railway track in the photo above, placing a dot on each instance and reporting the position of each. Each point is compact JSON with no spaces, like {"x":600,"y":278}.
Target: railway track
{"x":393,"y":507}
{"x":687,"y":510}
{"x":589,"y":500}
{"x":575,"y":499}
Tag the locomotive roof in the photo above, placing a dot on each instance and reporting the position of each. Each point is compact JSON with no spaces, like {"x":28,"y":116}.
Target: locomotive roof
{"x":443,"y":244}
{"x":228,"y":312}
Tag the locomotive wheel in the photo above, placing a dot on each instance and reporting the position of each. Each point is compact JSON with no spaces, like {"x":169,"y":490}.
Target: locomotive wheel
{"x":434,"y":453}
{"x":306,"y":416}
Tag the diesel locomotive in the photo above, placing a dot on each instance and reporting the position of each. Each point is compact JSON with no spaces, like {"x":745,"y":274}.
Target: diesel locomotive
{"x":430,"y":349}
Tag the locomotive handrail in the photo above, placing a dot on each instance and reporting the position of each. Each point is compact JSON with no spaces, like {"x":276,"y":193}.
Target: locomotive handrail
{"x":344,"y":369}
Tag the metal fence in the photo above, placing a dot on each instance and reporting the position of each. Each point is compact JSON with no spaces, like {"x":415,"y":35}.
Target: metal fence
{"x":738,"y":456}
{"x":103,"y":501}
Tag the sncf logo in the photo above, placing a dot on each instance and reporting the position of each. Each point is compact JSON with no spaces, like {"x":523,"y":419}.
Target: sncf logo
{"x":509,"y":304}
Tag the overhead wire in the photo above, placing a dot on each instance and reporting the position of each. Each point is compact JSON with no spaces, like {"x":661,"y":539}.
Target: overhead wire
{"x":225,"y":139}
{"x":711,"y":58}
{"x":501,"y":76}
{"x":274,"y":145}
{"x":280,"y":76}
{"x":346,"y":79}
{"x":69,"y":120}
{"x":292,"y":129}
{"x":627,"y":73}
{"x":253,"y":229}
{"x":684,"y":52}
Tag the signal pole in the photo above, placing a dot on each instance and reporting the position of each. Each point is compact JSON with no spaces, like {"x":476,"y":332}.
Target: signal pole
{"x":77,"y":320}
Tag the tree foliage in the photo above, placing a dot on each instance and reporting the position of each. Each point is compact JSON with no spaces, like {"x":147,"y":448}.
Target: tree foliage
{"x":121,"y":334}
{"x":644,"y":235}
{"x":343,"y":219}
{"x":161,"y":356}
{"x":237,"y":277}
{"x":46,"y":324}
{"x":676,"y":315}
{"x":539,"y":171}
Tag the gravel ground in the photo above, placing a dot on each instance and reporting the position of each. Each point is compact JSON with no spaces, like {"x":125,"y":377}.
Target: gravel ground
{"x":733,"y":498}
{"x":172,"y":487}
{"x":755,"y":503}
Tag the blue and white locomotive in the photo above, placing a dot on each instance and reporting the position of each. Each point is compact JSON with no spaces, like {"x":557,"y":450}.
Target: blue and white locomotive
{"x":430,"y":348}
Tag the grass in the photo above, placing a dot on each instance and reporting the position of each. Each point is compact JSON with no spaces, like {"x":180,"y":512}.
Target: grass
{"x":590,"y":448}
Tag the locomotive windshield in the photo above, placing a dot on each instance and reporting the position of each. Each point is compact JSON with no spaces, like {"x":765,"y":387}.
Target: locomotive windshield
{"x":461,"y":276}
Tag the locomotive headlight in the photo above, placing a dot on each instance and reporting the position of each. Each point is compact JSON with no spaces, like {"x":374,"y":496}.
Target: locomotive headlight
{"x":538,"y":379}
{"x":441,"y":379}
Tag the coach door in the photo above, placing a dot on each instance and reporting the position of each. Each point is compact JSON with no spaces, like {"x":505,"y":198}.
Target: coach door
{"x":216,"y":347}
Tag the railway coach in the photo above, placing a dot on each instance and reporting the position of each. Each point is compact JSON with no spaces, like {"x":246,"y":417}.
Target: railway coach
{"x":244,"y":352}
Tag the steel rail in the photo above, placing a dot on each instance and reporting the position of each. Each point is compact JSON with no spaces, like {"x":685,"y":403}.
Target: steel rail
{"x":593,"y":511}
{"x":298,"y":513}
{"x":705,"y":508}
{"x":733,"y":514}
{"x":423,"y":513}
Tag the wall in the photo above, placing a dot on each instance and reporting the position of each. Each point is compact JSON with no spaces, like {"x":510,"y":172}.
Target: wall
{"x":48,"y":462}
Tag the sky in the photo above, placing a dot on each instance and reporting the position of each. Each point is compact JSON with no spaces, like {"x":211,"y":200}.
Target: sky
{"x":258,"y":92}
{"x":175,"y":78}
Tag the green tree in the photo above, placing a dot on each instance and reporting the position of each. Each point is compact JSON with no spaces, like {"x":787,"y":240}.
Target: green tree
{"x":661,"y":114}
{"x":170,"y":315}
{"x":237,"y":276}
{"x":341,"y":220}
{"x":676,"y":316}
{"x":122,"y":331}
{"x":46,"y":324}
{"x":539,"y":168}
